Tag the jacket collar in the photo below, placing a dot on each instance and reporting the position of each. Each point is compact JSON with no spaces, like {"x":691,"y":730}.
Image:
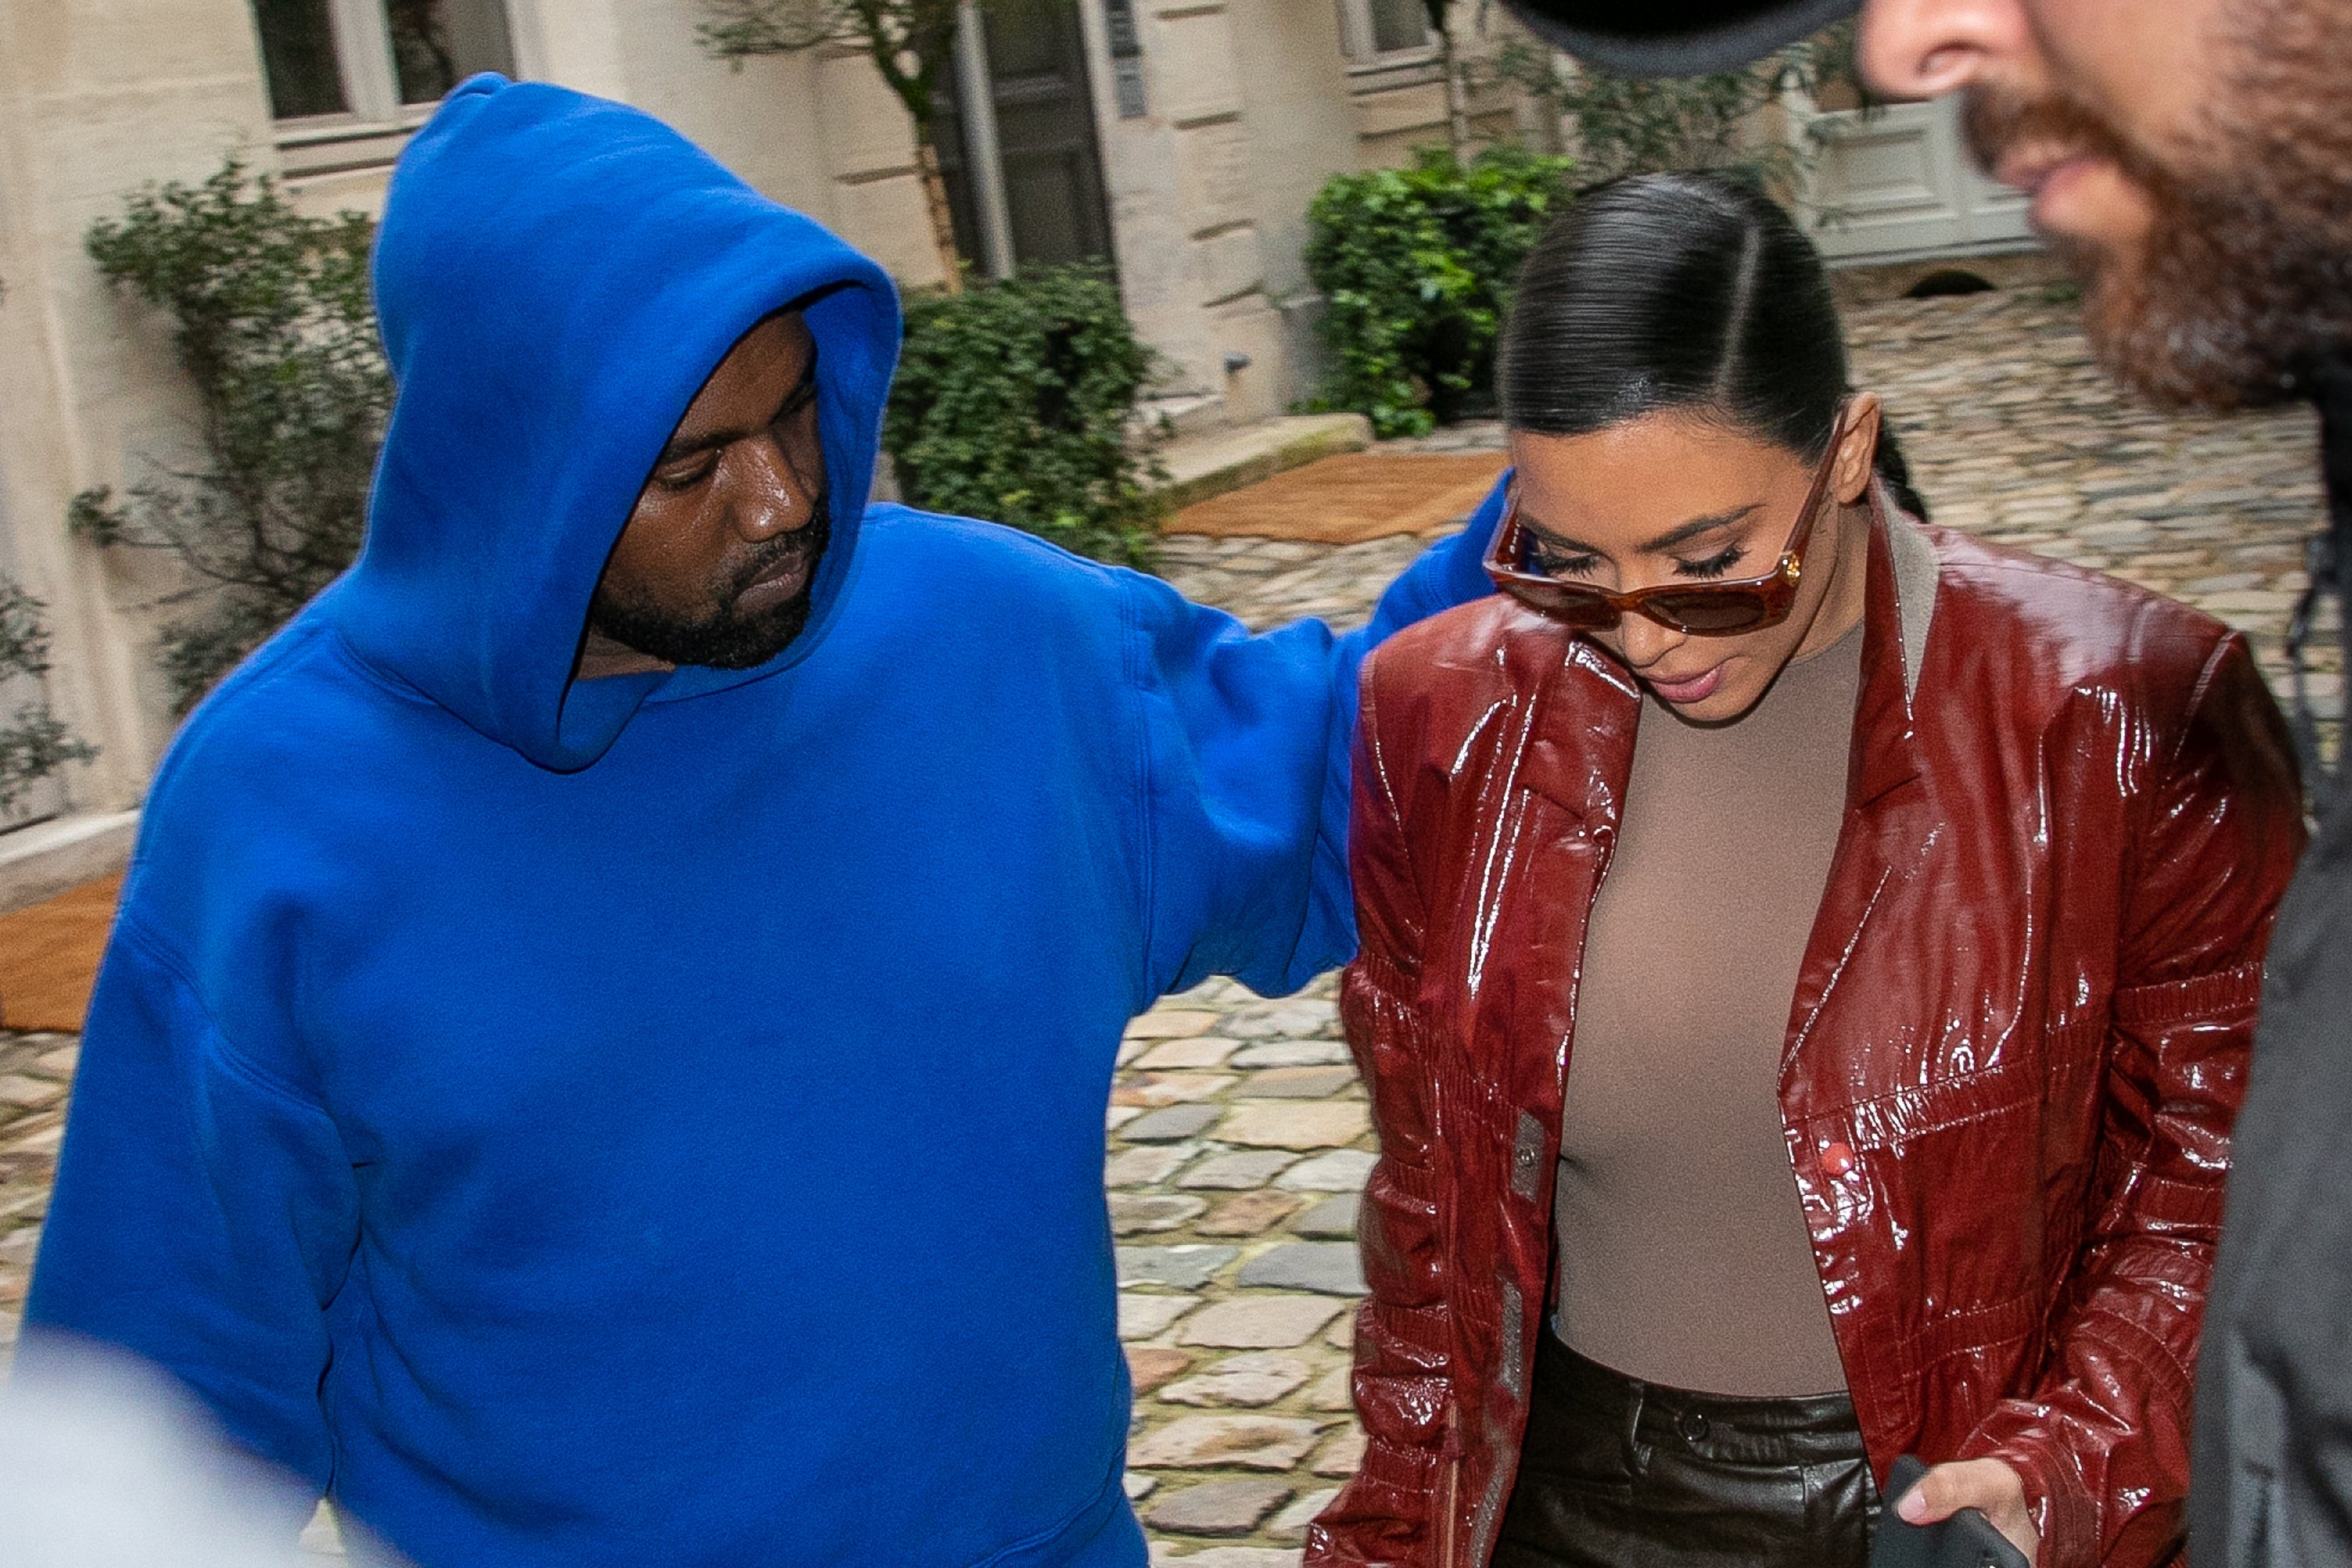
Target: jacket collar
{"x":1575,"y":745}
{"x":1898,"y":608}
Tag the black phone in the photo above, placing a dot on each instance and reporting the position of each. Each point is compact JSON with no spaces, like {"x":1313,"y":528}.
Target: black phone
{"x":1967,"y":1540}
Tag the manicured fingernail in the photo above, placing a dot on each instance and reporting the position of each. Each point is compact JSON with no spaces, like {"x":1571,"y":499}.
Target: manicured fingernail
{"x":1913,"y":1507}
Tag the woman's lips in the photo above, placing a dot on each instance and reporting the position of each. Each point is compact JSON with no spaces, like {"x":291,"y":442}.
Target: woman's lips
{"x":1697,"y":689}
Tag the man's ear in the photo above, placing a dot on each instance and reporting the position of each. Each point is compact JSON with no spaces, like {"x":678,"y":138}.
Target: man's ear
{"x":1858,"y":453}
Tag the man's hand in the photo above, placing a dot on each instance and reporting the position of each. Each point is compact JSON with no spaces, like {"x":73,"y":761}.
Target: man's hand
{"x":1984,"y":1484}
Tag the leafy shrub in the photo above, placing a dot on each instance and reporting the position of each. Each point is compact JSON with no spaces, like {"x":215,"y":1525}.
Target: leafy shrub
{"x":1015,"y":402}
{"x":1416,"y":267}
{"x":33,"y":742}
{"x":1012,"y":405}
{"x":274,"y":326}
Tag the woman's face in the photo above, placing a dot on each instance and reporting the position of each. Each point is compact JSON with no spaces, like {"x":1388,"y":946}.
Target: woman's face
{"x":1671,"y":498}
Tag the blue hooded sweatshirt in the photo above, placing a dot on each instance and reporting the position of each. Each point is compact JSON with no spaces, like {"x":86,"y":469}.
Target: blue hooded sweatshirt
{"x":658,"y":1119}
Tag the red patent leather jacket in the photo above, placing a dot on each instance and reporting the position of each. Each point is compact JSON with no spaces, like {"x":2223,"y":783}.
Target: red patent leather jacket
{"x":2019,"y":1038}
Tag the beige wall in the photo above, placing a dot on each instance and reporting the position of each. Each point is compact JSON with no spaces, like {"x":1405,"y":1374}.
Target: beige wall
{"x":819,"y":133}
{"x":1252,"y":106}
{"x":1186,"y":199}
{"x":96,"y":98}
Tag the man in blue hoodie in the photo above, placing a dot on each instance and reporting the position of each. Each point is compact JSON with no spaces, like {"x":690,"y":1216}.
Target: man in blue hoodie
{"x":603,"y":1054}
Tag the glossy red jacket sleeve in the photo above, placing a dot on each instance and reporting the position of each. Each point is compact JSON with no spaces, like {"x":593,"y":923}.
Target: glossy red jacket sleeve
{"x":2102,"y":1445}
{"x":1390,"y":1515}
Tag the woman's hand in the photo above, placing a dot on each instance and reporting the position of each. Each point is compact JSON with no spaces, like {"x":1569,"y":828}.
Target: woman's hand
{"x":1984,"y":1484}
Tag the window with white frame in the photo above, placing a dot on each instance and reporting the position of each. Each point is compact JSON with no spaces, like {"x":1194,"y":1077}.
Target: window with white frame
{"x":374,"y":62}
{"x":1378,"y":30}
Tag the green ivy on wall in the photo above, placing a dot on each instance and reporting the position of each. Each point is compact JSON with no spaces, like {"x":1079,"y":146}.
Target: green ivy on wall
{"x":34,"y":743}
{"x":275,"y":327}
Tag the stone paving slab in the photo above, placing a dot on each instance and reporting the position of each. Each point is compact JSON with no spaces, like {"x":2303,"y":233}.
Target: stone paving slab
{"x":2011,"y":432}
{"x":36,"y":1071}
{"x":1264,"y":1338}
{"x":1231,"y":1169}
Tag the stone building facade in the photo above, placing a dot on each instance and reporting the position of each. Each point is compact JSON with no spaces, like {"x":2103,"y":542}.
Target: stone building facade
{"x":1182,"y":138}
{"x":1203,"y":142}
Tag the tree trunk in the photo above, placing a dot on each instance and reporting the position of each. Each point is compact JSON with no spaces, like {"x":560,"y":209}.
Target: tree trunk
{"x":935,"y":198}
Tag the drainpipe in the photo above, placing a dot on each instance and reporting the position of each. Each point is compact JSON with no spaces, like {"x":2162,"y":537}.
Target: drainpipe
{"x":984,"y":162}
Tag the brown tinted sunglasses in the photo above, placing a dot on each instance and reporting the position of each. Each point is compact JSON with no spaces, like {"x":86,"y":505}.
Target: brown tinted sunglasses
{"x":1702,"y":609}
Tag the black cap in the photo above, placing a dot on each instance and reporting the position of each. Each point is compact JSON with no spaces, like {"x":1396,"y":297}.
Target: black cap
{"x":1676,"y":38}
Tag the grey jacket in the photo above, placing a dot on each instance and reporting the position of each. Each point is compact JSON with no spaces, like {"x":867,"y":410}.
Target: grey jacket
{"x":2272,"y":1484}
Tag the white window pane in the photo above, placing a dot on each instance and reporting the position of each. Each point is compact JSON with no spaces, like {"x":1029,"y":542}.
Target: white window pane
{"x":436,"y":43}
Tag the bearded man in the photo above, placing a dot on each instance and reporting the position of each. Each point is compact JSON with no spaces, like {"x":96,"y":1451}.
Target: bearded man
{"x":2192,"y":159}
{"x":603,"y":1056}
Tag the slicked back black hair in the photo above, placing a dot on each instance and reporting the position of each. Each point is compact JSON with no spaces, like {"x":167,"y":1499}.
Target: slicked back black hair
{"x":1687,"y":291}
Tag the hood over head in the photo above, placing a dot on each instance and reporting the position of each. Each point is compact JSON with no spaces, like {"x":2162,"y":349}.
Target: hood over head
{"x":557,"y":276}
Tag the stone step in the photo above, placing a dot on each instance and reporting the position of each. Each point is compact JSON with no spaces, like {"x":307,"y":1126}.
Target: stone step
{"x":1185,"y":414}
{"x":45,"y":859}
{"x":1212,"y":462}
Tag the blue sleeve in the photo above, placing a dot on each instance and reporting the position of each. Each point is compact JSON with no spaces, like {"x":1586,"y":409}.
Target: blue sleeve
{"x":1246,"y":751}
{"x":204,"y":1212}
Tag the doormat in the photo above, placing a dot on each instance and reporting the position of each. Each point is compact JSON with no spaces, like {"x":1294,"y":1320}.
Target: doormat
{"x":48,"y":957}
{"x":1350,"y":498}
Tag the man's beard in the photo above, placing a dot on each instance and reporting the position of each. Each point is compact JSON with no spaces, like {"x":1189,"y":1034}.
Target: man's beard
{"x":2244,"y":283}
{"x":726,"y":638}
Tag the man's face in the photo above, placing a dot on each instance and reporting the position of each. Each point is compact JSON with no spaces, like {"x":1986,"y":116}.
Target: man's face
{"x":2192,"y":159}
{"x":715,"y":565}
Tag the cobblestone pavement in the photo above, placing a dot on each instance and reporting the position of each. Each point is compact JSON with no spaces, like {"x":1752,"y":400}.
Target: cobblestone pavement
{"x":34,"y":1070}
{"x":1239,"y":1136}
{"x":2011,"y":432}
{"x":1239,"y":1140}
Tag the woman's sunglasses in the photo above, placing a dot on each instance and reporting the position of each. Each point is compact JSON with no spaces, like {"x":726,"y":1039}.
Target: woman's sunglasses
{"x":1702,"y":609}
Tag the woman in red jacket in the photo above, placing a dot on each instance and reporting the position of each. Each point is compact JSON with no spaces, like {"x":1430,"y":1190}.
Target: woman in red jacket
{"x":1808,"y":966}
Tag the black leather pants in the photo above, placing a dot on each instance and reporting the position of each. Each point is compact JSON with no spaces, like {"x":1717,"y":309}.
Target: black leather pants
{"x":1617,"y":1473}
